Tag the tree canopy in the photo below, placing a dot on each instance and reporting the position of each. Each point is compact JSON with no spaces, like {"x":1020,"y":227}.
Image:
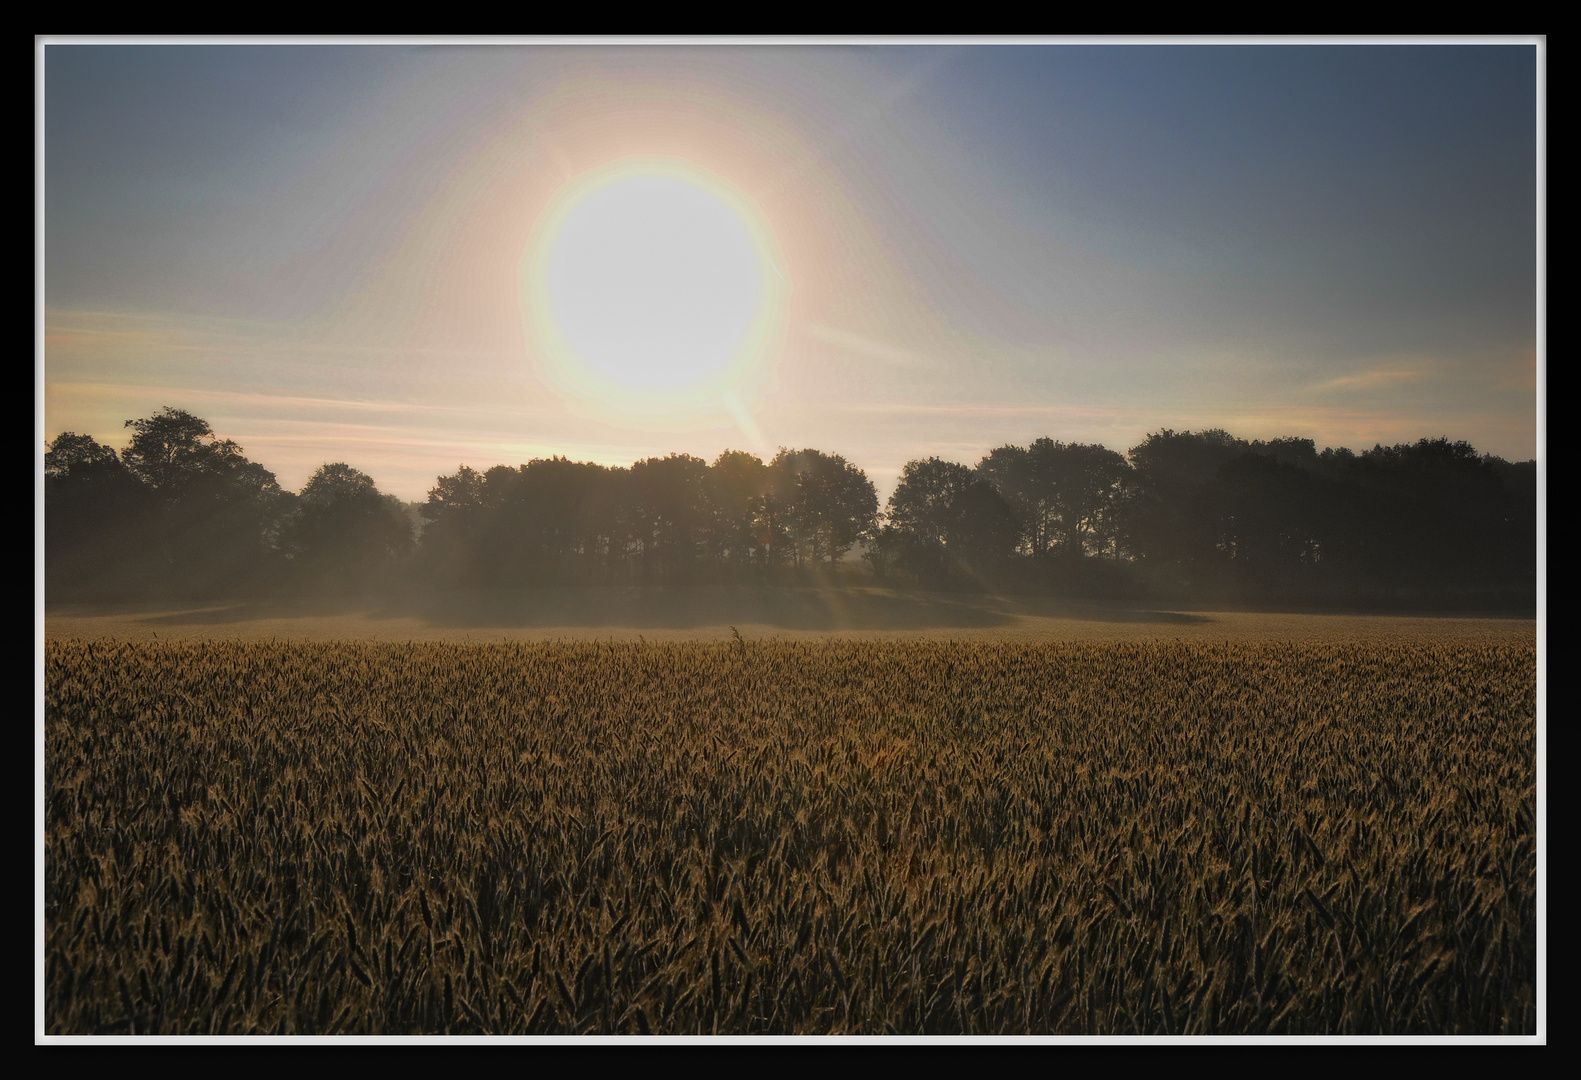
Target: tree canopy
{"x":180,"y":511}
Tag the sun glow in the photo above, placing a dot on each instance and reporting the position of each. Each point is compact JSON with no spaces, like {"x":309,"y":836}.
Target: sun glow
{"x":652,"y":291}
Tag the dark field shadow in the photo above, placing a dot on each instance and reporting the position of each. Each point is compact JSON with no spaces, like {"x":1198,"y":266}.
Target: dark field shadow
{"x":807,"y":609}
{"x":1100,"y":611}
{"x":219,"y":613}
{"x":663,"y":608}
{"x":801,"y":609}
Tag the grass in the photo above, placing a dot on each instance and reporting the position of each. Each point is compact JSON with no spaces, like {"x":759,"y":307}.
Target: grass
{"x":793,"y":836}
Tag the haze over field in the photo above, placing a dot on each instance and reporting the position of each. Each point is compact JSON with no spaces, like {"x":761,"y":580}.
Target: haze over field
{"x":749,"y":614}
{"x":380,"y":254}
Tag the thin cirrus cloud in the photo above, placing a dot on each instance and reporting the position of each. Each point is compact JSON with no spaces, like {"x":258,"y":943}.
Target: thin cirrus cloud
{"x":863,"y":347}
{"x":1370,"y":380}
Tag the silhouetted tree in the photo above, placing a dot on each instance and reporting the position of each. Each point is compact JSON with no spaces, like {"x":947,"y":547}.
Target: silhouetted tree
{"x":1168,"y":517}
{"x":454,"y":514}
{"x":1430,"y":518}
{"x":738,"y":482}
{"x":943,"y":520}
{"x":1062,"y":494}
{"x":984,"y":531}
{"x":1207,"y":513}
{"x":79,"y":459}
{"x":669,"y":515}
{"x":1009,"y":469}
{"x":1267,"y":526}
{"x":219,"y":516}
{"x":571,"y":517}
{"x":96,"y":517}
{"x":833,"y":504}
{"x":346,"y":535}
{"x":1197,"y":514}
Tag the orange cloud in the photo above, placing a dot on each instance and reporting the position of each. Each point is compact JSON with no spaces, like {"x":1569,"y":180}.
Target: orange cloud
{"x":1369,"y":380}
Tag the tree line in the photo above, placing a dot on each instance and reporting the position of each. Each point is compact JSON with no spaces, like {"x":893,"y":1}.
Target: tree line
{"x":180,"y":512}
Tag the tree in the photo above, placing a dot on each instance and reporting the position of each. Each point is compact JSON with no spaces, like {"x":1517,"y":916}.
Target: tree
{"x":944,"y":520}
{"x":668,"y":514}
{"x":921,"y":507}
{"x":568,"y":517}
{"x":1430,"y":517}
{"x":1061,"y":494}
{"x":1169,"y":515}
{"x":1206,"y":511}
{"x":346,"y":533}
{"x":832,"y":503}
{"x":454,"y":498}
{"x":79,"y":458}
{"x":738,"y":483}
{"x":454,"y":512}
{"x":1084,"y":483}
{"x":219,"y":518}
{"x":171,"y":448}
{"x":1009,"y":469}
{"x":96,"y":514}
{"x":1268,"y":527}
{"x":983,"y":530}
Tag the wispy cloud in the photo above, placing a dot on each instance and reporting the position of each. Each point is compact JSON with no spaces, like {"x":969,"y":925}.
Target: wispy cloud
{"x":898,"y":408}
{"x":862,"y":346}
{"x":175,"y":395}
{"x":1372,"y":380}
{"x":74,"y":338}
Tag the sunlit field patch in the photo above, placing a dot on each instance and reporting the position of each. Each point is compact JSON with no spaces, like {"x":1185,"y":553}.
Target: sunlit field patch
{"x":836,"y":836}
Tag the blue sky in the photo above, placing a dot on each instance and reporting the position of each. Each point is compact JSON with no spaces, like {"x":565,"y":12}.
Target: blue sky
{"x":320,"y":248}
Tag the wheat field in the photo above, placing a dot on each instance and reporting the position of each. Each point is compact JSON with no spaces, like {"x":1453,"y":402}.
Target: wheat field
{"x":790,"y":837}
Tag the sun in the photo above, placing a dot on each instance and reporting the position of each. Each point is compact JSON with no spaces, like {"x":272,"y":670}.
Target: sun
{"x":654,"y":281}
{"x":652,"y":288}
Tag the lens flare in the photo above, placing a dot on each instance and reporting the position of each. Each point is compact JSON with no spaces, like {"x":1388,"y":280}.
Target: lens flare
{"x":652,"y":292}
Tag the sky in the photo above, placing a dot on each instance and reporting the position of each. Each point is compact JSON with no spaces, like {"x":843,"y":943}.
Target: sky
{"x":410,"y":257}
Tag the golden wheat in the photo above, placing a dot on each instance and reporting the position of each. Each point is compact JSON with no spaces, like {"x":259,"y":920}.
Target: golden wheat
{"x":790,"y":837}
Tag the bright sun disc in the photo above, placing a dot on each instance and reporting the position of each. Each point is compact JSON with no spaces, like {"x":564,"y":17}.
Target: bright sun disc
{"x":654,"y":282}
{"x":651,"y":288}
